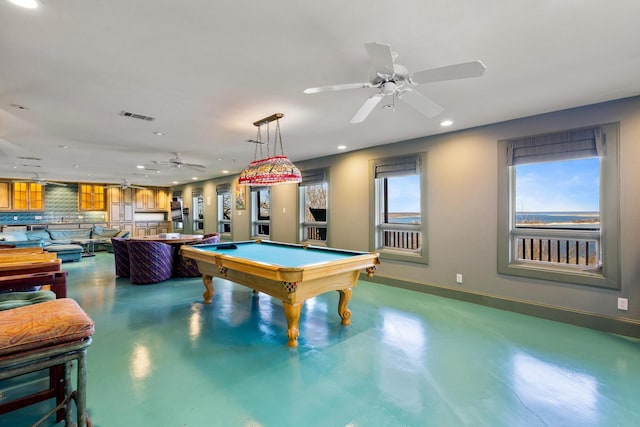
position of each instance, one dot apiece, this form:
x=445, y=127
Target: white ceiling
x=206, y=70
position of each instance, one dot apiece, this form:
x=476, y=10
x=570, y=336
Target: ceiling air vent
x=136, y=116
x=29, y=158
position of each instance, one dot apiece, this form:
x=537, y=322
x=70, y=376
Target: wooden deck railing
x=315, y=232
x=407, y=237
x=568, y=247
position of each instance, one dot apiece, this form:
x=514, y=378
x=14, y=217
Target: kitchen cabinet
x=28, y=196
x=91, y=197
x=5, y=195
x=121, y=212
x=150, y=228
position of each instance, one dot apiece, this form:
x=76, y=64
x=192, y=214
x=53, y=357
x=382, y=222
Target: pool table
x=291, y=273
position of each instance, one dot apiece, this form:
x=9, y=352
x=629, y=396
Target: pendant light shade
x=272, y=170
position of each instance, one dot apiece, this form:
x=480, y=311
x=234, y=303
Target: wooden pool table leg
x=208, y=288
x=292, y=313
x=343, y=310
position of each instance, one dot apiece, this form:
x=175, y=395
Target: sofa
x=68, y=244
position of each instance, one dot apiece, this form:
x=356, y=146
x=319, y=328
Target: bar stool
x=47, y=335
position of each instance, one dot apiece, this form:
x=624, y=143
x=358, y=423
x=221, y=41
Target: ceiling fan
x=176, y=162
x=124, y=185
x=395, y=80
x=38, y=180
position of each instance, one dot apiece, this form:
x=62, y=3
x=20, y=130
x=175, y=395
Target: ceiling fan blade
x=61, y=184
x=450, y=72
x=332, y=88
x=193, y=165
x=381, y=57
x=421, y=103
x=367, y=108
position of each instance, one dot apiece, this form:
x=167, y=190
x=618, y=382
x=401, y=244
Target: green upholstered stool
x=9, y=300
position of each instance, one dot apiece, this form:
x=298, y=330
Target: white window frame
x=256, y=222
x=224, y=225
x=312, y=231
x=606, y=274
x=378, y=227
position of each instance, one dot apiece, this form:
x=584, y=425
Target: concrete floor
x=160, y=357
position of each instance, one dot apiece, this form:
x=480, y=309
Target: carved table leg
x=343, y=311
x=208, y=288
x=292, y=313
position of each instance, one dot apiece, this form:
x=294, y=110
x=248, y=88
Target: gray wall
x=462, y=210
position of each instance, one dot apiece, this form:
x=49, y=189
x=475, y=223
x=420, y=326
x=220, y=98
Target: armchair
x=149, y=261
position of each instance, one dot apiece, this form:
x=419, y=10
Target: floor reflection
x=550, y=389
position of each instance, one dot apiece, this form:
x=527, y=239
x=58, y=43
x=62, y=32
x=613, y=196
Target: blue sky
x=571, y=185
x=404, y=193
x=566, y=186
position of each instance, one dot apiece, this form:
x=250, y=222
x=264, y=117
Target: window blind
x=223, y=188
x=397, y=166
x=313, y=177
x=574, y=144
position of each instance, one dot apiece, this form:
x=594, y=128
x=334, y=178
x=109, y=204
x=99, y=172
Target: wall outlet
x=623, y=304
x=458, y=278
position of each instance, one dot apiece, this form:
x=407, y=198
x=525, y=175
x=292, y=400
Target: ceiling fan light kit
x=395, y=80
x=271, y=170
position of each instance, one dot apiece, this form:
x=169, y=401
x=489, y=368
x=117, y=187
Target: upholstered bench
x=50, y=334
x=66, y=252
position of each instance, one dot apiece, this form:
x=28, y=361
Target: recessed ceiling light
x=195, y=178
x=158, y=133
x=342, y=147
x=27, y=4
x=76, y=166
x=225, y=171
x=140, y=167
x=446, y=123
x=175, y=182
x=64, y=147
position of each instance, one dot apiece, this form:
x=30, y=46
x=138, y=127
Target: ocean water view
x=524, y=219
x=558, y=218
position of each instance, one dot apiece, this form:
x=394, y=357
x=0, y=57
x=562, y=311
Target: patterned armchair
x=121, y=256
x=186, y=267
x=149, y=261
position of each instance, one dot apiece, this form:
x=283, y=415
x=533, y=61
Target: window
x=399, y=208
x=261, y=211
x=28, y=196
x=197, y=206
x=223, y=192
x=91, y=197
x=313, y=206
x=559, y=219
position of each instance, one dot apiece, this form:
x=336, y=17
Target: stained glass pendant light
x=272, y=170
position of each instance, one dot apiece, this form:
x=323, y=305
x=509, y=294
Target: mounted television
x=176, y=211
